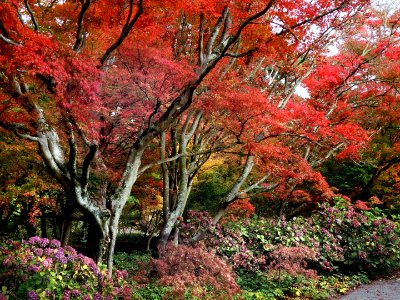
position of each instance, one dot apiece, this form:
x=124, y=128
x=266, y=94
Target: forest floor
x=381, y=289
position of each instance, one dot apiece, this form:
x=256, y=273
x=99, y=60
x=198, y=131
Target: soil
x=382, y=289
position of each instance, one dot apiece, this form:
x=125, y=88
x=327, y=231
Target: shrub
x=194, y=271
x=228, y=242
x=40, y=269
x=293, y=260
x=343, y=238
x=365, y=240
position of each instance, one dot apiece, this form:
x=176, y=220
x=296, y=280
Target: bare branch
x=194, y=126
x=82, y=135
x=230, y=41
x=48, y=81
x=15, y=127
x=201, y=40
x=282, y=104
x=9, y=41
x=257, y=184
x=215, y=32
x=175, y=157
x=248, y=52
x=80, y=34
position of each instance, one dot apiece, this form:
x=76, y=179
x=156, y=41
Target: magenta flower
x=55, y=244
x=97, y=296
x=35, y=268
x=7, y=261
x=38, y=241
x=47, y=263
x=38, y=251
x=31, y=295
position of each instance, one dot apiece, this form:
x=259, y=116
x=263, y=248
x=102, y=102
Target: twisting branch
x=80, y=34
x=215, y=32
x=35, y=23
x=224, y=46
x=282, y=104
x=15, y=128
x=86, y=165
x=8, y=41
x=82, y=135
x=175, y=157
x=237, y=55
x=130, y=22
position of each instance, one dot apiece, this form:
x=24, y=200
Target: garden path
x=383, y=289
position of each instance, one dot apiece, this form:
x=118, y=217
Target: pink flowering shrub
x=194, y=270
x=40, y=269
x=342, y=237
x=366, y=239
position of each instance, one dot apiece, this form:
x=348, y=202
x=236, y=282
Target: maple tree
x=92, y=83
x=364, y=90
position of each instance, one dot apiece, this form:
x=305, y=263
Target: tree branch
x=9, y=41
x=248, y=52
x=72, y=152
x=80, y=35
x=125, y=30
x=86, y=165
x=35, y=23
x=175, y=157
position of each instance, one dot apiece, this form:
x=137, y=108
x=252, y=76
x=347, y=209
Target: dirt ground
x=384, y=289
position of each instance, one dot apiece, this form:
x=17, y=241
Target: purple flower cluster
x=38, y=241
x=63, y=266
x=362, y=255
x=68, y=294
x=31, y=295
x=60, y=256
x=121, y=274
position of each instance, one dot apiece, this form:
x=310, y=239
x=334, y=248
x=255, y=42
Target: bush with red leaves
x=195, y=270
x=293, y=260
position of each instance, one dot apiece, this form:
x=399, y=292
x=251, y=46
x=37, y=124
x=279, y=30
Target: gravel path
x=385, y=289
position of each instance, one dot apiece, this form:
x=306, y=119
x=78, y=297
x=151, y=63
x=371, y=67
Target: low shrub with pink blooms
x=343, y=238
x=40, y=269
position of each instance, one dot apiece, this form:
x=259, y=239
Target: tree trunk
x=96, y=242
x=65, y=232
x=43, y=225
x=113, y=239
